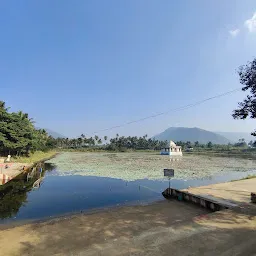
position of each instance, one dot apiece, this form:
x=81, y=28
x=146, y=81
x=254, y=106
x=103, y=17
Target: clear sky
x=82, y=66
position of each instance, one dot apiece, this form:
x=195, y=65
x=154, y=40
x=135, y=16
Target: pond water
x=64, y=194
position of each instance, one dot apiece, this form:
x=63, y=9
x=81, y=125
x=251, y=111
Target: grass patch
x=246, y=178
x=35, y=157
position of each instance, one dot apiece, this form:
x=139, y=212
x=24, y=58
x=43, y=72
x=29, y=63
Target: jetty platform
x=230, y=195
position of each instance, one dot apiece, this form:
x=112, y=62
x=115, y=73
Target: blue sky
x=82, y=66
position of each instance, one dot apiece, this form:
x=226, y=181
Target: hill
x=54, y=134
x=191, y=134
x=235, y=136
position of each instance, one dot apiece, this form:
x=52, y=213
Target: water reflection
x=60, y=195
x=175, y=159
x=13, y=194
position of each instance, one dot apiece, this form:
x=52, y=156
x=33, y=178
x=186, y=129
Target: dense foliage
x=118, y=143
x=247, y=108
x=18, y=135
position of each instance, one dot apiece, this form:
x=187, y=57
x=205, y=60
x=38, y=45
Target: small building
x=172, y=150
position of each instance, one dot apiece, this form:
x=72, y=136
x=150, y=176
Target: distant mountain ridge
x=54, y=134
x=235, y=136
x=192, y=135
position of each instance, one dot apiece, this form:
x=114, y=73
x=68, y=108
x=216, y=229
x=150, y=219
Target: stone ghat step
x=206, y=201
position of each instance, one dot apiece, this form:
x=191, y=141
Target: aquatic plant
x=135, y=166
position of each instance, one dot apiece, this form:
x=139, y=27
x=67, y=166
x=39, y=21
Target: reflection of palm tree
x=14, y=194
x=11, y=203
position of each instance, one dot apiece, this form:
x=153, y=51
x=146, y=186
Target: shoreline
x=71, y=215
x=16, y=170
x=11, y=221
x=32, y=164
x=211, y=189
x=153, y=229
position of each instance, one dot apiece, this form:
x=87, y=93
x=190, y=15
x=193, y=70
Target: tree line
x=122, y=143
x=241, y=143
x=197, y=144
x=119, y=143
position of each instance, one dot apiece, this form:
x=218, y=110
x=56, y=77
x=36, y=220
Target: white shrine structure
x=172, y=150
